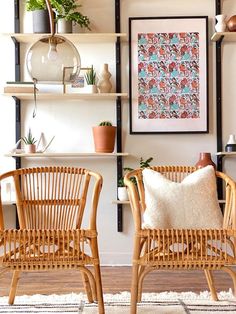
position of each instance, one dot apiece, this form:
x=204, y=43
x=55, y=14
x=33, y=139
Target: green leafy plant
x=105, y=123
x=90, y=76
x=67, y=9
x=32, y=5
x=29, y=139
x=142, y=164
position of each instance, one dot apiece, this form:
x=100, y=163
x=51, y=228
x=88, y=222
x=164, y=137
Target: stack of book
x=19, y=87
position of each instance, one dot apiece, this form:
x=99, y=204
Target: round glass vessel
x=53, y=58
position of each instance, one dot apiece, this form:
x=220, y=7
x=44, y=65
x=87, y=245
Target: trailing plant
x=67, y=9
x=29, y=139
x=90, y=76
x=32, y=5
x=105, y=123
x=142, y=164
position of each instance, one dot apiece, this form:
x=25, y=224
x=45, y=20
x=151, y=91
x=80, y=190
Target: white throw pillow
x=190, y=204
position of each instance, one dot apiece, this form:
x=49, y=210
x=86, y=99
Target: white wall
x=71, y=122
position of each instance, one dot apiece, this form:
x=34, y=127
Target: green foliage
x=29, y=139
x=64, y=9
x=32, y=5
x=90, y=76
x=105, y=123
x=142, y=163
x=67, y=9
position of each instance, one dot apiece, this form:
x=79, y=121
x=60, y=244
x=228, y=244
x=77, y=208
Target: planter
x=91, y=89
x=30, y=148
x=64, y=26
x=104, y=138
x=41, y=23
x=122, y=194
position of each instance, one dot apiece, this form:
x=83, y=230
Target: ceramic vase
x=231, y=144
x=104, y=84
x=122, y=194
x=205, y=160
x=231, y=24
x=220, y=25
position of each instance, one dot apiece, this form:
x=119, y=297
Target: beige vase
x=104, y=84
x=104, y=138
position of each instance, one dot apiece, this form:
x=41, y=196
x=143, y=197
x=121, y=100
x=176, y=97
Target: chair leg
x=134, y=289
x=14, y=282
x=87, y=287
x=98, y=280
x=233, y=276
x=211, y=284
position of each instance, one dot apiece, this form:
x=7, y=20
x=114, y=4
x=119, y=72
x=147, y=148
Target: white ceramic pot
x=123, y=194
x=220, y=25
x=91, y=89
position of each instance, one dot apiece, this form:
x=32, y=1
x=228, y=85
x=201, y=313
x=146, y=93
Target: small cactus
x=105, y=123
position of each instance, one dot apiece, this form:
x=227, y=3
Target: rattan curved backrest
x=177, y=174
x=53, y=197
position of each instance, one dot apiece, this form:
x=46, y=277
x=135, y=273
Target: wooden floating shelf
x=226, y=154
x=121, y=202
x=228, y=36
x=67, y=155
x=88, y=38
x=68, y=96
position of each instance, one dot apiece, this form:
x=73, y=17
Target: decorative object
x=205, y=160
x=231, y=144
x=47, y=58
x=104, y=137
x=164, y=302
x=41, y=22
x=64, y=26
x=104, y=84
x=122, y=194
x=221, y=24
x=67, y=10
x=90, y=77
x=168, y=209
x=29, y=141
x=168, y=74
x=231, y=24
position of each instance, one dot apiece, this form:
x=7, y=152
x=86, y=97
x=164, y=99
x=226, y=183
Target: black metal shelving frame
x=118, y=100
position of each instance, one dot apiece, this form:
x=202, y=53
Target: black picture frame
x=168, y=75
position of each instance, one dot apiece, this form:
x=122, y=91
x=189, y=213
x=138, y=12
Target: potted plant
x=66, y=14
x=90, y=78
x=122, y=193
x=29, y=141
x=104, y=137
x=41, y=23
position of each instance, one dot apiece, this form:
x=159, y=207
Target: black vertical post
x=219, y=102
x=118, y=111
x=17, y=78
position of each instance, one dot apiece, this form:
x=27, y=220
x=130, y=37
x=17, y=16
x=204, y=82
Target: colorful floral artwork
x=168, y=75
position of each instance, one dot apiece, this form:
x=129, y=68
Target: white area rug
x=161, y=303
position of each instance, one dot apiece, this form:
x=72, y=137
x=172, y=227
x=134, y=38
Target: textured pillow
x=190, y=204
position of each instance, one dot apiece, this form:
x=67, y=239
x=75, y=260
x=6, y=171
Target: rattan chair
x=153, y=249
x=51, y=204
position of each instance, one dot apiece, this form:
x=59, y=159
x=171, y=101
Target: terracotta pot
x=231, y=24
x=104, y=138
x=205, y=160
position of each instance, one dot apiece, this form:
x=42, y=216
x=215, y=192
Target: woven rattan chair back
x=180, y=249
x=51, y=204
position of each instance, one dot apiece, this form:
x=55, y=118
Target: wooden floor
x=115, y=279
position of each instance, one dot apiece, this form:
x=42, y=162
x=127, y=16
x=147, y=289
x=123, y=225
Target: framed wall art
x=168, y=74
